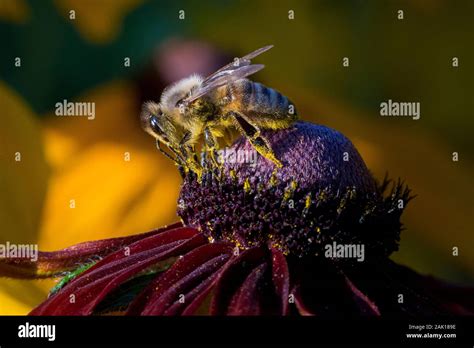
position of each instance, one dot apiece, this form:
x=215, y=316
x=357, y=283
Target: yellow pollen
x=294, y=185
x=247, y=185
x=289, y=191
x=307, y=203
x=273, y=179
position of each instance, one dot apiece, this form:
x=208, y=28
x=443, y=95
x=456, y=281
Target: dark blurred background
x=85, y=59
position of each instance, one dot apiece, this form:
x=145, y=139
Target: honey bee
x=197, y=108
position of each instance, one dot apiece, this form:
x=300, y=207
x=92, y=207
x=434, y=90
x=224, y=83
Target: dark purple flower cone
x=314, y=156
x=324, y=193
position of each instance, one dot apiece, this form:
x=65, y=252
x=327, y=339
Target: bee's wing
x=238, y=69
x=224, y=78
x=237, y=63
x=258, y=52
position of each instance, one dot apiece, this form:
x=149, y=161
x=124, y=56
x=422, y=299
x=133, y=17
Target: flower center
x=323, y=194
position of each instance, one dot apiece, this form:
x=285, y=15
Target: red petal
x=50, y=264
x=323, y=290
x=246, y=301
x=90, y=287
x=423, y=295
x=191, y=274
x=242, y=287
x=453, y=298
x=366, y=306
x=281, y=279
x=299, y=302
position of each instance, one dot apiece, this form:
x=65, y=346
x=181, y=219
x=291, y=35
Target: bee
x=197, y=108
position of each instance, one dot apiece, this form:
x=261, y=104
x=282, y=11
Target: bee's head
x=155, y=122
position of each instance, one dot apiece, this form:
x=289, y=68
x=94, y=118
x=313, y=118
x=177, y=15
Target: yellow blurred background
x=121, y=185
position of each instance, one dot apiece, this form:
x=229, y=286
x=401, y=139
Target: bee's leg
x=211, y=147
x=178, y=160
x=190, y=156
x=174, y=159
x=252, y=133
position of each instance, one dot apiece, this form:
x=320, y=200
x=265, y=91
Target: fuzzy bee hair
x=177, y=91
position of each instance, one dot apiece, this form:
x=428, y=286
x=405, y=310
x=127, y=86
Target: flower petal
x=183, y=282
x=247, y=300
x=281, y=278
x=455, y=299
x=85, y=292
x=299, y=302
x=422, y=295
x=90, y=22
x=323, y=290
x=245, y=286
x=366, y=306
x=232, y=277
x=82, y=154
x=50, y=264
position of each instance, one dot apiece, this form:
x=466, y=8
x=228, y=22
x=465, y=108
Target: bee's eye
x=179, y=103
x=155, y=125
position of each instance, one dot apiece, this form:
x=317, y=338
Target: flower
x=254, y=241
x=323, y=193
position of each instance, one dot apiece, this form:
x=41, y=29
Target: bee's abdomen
x=262, y=100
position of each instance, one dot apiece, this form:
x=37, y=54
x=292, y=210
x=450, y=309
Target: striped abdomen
x=264, y=104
